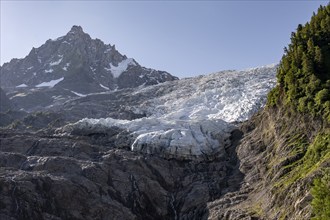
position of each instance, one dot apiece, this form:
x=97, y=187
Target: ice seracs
x=227, y=95
x=181, y=139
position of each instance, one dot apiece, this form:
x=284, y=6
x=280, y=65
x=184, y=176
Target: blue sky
x=185, y=38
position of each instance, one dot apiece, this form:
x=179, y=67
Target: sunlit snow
x=51, y=83
x=104, y=87
x=21, y=86
x=66, y=66
x=49, y=71
x=78, y=94
x=54, y=63
x=122, y=66
x=107, y=50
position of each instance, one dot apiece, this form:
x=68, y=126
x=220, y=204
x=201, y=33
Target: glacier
x=191, y=118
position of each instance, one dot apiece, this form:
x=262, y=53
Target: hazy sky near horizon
x=185, y=38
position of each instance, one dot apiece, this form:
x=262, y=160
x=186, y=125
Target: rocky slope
x=150, y=163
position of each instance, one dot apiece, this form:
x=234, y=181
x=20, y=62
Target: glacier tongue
x=185, y=139
x=190, y=118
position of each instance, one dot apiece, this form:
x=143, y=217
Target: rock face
x=84, y=177
x=5, y=103
x=77, y=63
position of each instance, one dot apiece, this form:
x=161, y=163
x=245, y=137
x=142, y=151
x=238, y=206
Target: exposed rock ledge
x=84, y=177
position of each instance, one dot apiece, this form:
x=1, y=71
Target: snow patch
x=78, y=94
x=107, y=50
x=66, y=66
x=104, y=87
x=54, y=63
x=49, y=71
x=19, y=95
x=50, y=84
x=93, y=69
x=59, y=38
x=30, y=68
x=21, y=86
x=58, y=97
x=122, y=66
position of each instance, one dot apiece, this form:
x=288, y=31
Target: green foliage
x=321, y=197
x=304, y=71
x=317, y=154
x=319, y=150
x=273, y=96
x=303, y=152
x=322, y=96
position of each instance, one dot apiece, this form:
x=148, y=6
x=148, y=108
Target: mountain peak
x=76, y=29
x=83, y=64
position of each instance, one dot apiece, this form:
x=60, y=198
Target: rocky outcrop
x=275, y=158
